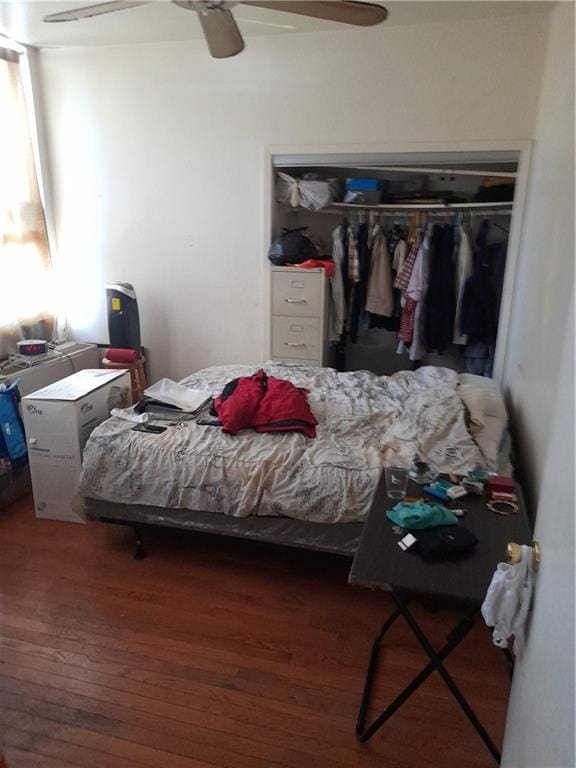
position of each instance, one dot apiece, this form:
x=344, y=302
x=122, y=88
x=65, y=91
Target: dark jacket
x=440, y=296
x=482, y=292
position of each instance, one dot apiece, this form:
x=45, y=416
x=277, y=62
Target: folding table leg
x=372, y=665
x=436, y=658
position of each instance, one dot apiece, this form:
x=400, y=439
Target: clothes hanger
x=499, y=226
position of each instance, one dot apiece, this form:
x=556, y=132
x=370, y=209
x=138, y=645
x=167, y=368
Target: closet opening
x=419, y=244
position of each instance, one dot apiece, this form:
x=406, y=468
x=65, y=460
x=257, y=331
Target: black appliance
x=123, y=318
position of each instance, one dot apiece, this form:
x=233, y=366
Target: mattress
x=365, y=421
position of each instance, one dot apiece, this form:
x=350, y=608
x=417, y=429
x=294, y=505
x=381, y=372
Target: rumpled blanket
x=365, y=421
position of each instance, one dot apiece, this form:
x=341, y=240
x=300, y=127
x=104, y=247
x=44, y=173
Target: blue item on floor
x=12, y=437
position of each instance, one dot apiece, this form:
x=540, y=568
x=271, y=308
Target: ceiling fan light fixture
x=219, y=27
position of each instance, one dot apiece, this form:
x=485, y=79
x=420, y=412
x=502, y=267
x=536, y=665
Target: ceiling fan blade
x=220, y=29
x=345, y=11
x=92, y=10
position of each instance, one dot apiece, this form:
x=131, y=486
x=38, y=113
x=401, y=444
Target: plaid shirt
x=404, y=274
x=407, y=321
x=353, y=259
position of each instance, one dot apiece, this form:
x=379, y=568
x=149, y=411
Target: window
x=27, y=305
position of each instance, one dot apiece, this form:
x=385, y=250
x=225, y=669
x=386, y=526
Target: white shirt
x=338, y=313
x=507, y=601
x=464, y=266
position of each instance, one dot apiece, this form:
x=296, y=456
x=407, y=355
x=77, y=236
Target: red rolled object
x=122, y=355
x=500, y=484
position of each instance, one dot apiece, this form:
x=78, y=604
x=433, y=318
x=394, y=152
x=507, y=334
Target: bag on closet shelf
x=313, y=194
x=292, y=247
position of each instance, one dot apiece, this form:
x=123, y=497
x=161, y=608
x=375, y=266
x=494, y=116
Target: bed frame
x=334, y=538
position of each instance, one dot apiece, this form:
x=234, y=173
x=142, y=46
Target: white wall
x=540, y=380
x=546, y=275
x=156, y=154
x=541, y=717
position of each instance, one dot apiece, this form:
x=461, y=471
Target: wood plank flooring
x=213, y=653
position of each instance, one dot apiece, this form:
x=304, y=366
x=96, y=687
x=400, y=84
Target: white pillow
x=483, y=399
x=488, y=417
x=489, y=439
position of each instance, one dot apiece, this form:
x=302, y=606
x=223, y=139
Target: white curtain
x=27, y=291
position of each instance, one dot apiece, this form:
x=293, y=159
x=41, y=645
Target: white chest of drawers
x=299, y=315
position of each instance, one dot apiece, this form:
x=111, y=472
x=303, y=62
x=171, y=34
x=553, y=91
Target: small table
x=380, y=562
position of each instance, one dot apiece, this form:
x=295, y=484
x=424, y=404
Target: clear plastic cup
x=396, y=482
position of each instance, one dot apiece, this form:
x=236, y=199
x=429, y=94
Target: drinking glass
x=396, y=482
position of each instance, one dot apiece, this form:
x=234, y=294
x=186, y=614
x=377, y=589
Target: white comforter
x=365, y=422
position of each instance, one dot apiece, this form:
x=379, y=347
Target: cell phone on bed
x=150, y=428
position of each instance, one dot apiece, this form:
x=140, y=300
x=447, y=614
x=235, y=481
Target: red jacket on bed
x=266, y=404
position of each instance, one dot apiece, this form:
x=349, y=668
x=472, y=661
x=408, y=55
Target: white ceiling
x=162, y=21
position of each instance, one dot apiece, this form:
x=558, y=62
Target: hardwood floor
x=212, y=653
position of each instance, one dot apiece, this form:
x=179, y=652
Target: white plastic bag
x=305, y=193
x=172, y=393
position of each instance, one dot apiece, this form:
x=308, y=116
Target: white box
x=58, y=420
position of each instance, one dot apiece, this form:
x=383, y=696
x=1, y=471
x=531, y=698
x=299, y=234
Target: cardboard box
x=58, y=420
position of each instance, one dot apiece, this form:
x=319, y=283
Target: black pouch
x=444, y=542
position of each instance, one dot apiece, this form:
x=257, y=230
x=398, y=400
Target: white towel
x=129, y=414
x=507, y=601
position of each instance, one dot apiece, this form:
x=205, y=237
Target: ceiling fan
x=218, y=24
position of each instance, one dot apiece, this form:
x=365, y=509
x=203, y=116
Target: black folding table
x=380, y=562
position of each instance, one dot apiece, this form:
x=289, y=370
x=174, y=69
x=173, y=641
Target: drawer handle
x=296, y=301
x=294, y=344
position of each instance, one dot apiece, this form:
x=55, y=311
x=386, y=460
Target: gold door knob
x=514, y=554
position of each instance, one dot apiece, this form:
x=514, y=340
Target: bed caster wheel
x=139, y=551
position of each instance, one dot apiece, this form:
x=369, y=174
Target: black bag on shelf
x=292, y=247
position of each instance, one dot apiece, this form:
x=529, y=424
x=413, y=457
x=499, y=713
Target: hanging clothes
x=352, y=273
x=353, y=259
x=409, y=304
x=338, y=313
x=358, y=267
x=405, y=272
x=464, y=265
x=417, y=290
x=364, y=258
x=406, y=331
x=396, y=234
x=361, y=257
x=482, y=292
x=379, y=300
x=345, y=282
x=400, y=253
x=479, y=358
x=419, y=284
x=440, y=300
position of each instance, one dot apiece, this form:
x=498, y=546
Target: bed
x=287, y=488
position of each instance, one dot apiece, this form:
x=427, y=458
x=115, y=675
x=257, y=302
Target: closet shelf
x=337, y=207
x=422, y=171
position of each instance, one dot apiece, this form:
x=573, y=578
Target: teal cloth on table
x=414, y=515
